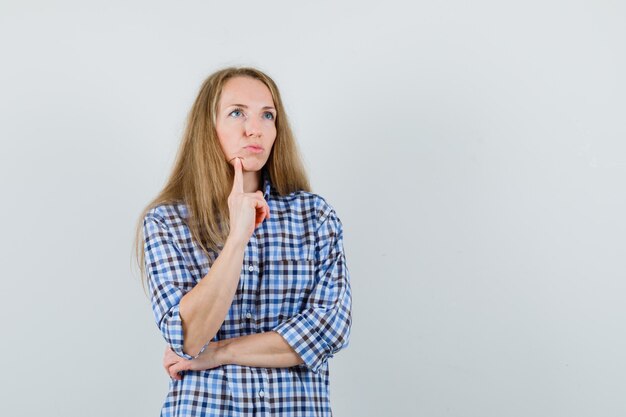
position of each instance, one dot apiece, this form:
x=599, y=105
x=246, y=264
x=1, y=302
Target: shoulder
x=313, y=205
x=167, y=215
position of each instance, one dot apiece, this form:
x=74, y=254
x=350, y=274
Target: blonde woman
x=245, y=265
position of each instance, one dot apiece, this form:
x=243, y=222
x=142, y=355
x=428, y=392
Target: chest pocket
x=286, y=286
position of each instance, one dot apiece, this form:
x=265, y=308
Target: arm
x=188, y=314
x=204, y=308
x=267, y=350
x=322, y=328
x=263, y=350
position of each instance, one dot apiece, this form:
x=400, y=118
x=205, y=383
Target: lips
x=254, y=148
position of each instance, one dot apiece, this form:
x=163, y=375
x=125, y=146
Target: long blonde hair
x=202, y=178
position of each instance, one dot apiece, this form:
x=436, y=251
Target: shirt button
x=261, y=394
x=248, y=315
x=250, y=268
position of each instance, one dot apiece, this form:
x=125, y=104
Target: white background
x=474, y=150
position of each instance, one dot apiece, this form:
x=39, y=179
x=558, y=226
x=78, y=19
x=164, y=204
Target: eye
x=269, y=113
x=237, y=110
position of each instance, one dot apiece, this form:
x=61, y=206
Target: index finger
x=238, y=179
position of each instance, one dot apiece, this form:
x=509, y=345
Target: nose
x=252, y=127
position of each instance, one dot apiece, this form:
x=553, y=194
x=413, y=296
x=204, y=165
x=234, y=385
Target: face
x=245, y=122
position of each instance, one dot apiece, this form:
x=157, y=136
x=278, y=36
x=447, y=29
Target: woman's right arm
x=204, y=308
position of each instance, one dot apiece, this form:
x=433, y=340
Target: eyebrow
x=244, y=106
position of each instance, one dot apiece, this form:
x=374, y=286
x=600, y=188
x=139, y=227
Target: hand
x=174, y=364
x=247, y=210
x=170, y=359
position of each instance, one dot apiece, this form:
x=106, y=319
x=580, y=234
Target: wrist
x=235, y=244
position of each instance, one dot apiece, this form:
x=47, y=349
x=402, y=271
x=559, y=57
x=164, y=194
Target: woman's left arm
x=266, y=350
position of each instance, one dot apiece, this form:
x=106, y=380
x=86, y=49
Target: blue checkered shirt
x=294, y=281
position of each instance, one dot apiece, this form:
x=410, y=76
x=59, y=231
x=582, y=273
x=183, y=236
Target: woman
x=245, y=265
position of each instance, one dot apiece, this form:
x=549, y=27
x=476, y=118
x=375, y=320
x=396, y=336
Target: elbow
x=173, y=332
x=195, y=349
x=194, y=338
x=342, y=339
x=192, y=343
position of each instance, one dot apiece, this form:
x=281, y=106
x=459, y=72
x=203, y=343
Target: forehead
x=246, y=90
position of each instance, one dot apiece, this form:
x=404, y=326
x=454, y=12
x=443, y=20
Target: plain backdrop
x=475, y=152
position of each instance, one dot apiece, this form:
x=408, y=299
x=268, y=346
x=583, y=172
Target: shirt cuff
x=172, y=330
x=300, y=334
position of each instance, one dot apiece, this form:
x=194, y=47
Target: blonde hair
x=200, y=157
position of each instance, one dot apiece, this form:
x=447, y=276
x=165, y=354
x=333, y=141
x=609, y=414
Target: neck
x=251, y=181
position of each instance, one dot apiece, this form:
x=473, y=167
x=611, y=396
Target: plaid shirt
x=294, y=280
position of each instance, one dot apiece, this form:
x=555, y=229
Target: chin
x=252, y=165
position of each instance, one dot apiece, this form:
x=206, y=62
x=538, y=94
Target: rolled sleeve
x=323, y=327
x=168, y=280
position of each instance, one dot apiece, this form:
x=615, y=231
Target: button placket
x=252, y=278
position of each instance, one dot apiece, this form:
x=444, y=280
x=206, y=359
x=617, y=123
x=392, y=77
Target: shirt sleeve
x=169, y=279
x=323, y=327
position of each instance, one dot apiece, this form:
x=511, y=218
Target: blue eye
x=236, y=110
x=271, y=114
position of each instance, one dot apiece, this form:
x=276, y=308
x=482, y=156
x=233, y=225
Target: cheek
x=271, y=146
x=270, y=132
x=227, y=151
x=223, y=136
